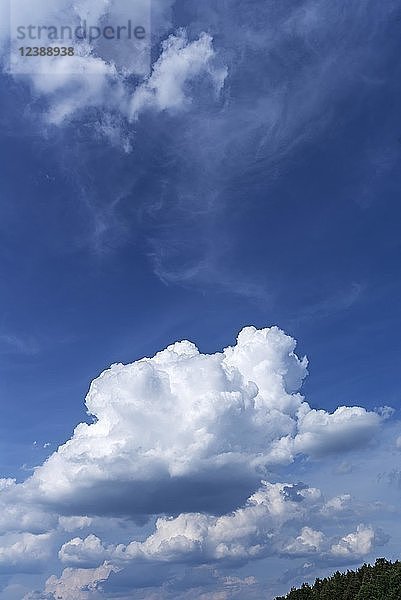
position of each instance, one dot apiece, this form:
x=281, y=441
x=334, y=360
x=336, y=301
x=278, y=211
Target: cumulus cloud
x=321, y=433
x=94, y=584
x=309, y=541
x=186, y=438
x=85, y=552
x=355, y=544
x=185, y=431
x=74, y=584
x=337, y=504
x=18, y=514
x=195, y=537
x=24, y=552
x=260, y=529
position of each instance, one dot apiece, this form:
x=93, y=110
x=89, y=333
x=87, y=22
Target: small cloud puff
x=358, y=543
x=74, y=523
x=309, y=541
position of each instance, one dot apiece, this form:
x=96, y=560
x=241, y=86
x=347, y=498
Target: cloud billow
x=184, y=431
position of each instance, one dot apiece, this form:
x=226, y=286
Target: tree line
x=381, y=581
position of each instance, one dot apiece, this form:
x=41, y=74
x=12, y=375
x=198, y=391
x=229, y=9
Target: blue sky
x=254, y=180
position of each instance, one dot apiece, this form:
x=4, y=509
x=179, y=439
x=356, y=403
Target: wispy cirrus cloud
x=15, y=344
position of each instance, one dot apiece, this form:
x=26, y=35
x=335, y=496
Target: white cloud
x=337, y=504
x=307, y=542
x=99, y=75
x=180, y=62
x=75, y=584
x=168, y=426
x=247, y=533
x=74, y=523
x=259, y=529
x=321, y=432
x=18, y=514
x=356, y=544
x=95, y=83
x=89, y=551
x=201, y=582
x=7, y=484
x=24, y=552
